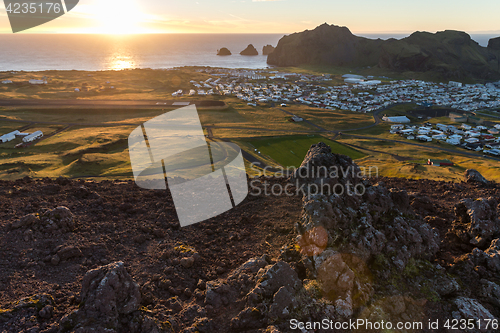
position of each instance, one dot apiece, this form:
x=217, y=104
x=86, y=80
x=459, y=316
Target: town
x=358, y=93
x=479, y=138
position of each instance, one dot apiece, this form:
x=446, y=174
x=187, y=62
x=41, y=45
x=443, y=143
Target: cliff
x=452, y=54
x=267, y=50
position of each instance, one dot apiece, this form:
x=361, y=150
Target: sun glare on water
x=119, y=17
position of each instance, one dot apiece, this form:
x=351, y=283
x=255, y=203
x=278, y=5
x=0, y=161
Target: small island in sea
x=223, y=52
x=250, y=51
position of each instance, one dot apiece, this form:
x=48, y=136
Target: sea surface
x=35, y=52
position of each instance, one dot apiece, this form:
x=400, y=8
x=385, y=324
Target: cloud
x=265, y=0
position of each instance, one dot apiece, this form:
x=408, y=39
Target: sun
x=119, y=17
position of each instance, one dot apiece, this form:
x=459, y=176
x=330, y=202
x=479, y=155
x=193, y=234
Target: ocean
x=32, y=52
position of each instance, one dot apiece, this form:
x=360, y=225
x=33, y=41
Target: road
x=448, y=150
x=487, y=115
x=305, y=120
x=44, y=103
x=247, y=155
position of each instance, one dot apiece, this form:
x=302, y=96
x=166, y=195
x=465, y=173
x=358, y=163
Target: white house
x=453, y=141
x=9, y=136
x=424, y=138
x=6, y=81
x=401, y=119
x=33, y=136
x=472, y=140
x=353, y=76
x=353, y=80
x=442, y=127
x=37, y=82
x=473, y=134
x=397, y=127
x=439, y=137
x=455, y=84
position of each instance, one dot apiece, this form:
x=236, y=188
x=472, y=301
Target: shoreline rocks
x=267, y=50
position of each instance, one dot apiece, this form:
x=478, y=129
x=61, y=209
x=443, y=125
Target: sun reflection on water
x=120, y=62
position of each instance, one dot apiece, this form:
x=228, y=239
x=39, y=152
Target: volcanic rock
x=267, y=50
x=347, y=222
x=473, y=176
x=110, y=300
x=450, y=54
x=471, y=309
x=477, y=221
x=494, y=43
x=250, y=51
x=223, y=52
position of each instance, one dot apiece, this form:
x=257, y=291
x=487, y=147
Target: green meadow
x=92, y=142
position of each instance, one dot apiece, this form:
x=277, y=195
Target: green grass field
x=332, y=119
x=95, y=144
x=400, y=160
x=289, y=151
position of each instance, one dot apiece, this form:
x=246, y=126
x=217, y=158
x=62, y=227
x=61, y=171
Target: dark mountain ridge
x=452, y=54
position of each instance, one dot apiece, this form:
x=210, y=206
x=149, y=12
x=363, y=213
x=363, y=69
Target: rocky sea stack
x=448, y=54
x=250, y=51
x=267, y=50
x=223, y=52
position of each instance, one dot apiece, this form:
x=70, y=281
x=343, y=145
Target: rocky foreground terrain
x=83, y=256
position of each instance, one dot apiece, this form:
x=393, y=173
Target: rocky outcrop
x=267, y=50
x=25, y=310
x=110, y=303
x=494, y=44
x=470, y=309
x=488, y=259
x=250, y=51
x=473, y=176
x=58, y=220
x=223, y=52
x=450, y=54
x=477, y=221
x=347, y=222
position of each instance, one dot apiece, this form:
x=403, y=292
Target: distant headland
x=449, y=54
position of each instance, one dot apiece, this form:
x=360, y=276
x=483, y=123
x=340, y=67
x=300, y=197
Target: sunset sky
x=261, y=16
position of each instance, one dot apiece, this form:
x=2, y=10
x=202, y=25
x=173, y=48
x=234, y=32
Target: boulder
x=110, y=303
x=490, y=292
x=28, y=307
x=473, y=176
x=59, y=219
x=223, y=52
x=250, y=51
x=477, y=221
x=267, y=50
x=471, y=309
x=25, y=221
x=489, y=259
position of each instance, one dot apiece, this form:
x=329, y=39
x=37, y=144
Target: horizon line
x=240, y=33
